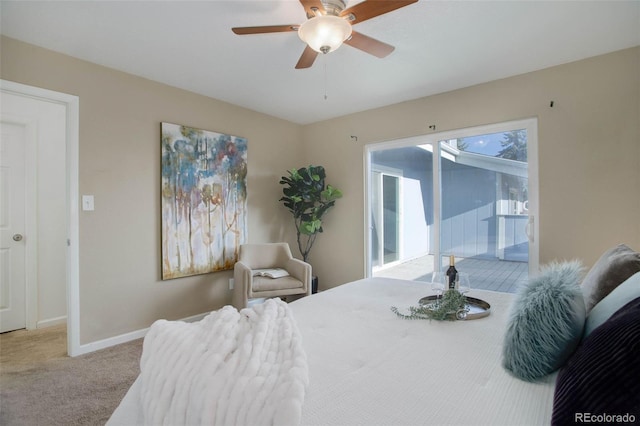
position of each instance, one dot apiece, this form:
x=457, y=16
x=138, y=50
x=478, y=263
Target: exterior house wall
x=468, y=211
x=469, y=225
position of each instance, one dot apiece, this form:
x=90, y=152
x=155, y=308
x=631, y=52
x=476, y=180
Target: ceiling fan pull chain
x=324, y=63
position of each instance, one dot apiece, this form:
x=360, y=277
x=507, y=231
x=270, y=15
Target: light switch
x=87, y=203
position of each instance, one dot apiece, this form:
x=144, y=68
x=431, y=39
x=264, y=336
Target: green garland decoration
x=450, y=304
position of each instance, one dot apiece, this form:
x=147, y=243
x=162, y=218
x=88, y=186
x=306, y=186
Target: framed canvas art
x=204, y=200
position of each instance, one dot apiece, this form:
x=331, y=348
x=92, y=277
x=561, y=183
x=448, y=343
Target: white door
x=12, y=226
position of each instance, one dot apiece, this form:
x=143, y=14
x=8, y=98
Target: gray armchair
x=268, y=255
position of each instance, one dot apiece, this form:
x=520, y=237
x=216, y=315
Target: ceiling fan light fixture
x=324, y=33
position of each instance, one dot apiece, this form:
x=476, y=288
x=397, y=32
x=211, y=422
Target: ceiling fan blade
x=309, y=5
x=265, y=29
x=308, y=57
x=369, y=45
x=371, y=8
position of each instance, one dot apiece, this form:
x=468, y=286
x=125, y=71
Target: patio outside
x=495, y=275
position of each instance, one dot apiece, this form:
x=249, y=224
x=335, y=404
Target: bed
x=367, y=366
x=563, y=350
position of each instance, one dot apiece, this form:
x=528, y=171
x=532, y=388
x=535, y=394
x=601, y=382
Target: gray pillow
x=614, y=267
x=545, y=322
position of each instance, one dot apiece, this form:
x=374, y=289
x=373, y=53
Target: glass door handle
x=528, y=229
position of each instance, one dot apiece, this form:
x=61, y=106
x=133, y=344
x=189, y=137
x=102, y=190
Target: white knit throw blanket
x=230, y=368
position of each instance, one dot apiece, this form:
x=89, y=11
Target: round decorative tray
x=474, y=309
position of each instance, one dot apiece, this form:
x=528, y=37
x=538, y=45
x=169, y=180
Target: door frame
x=396, y=174
x=72, y=117
x=433, y=139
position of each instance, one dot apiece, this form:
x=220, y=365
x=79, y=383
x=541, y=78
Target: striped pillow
x=602, y=378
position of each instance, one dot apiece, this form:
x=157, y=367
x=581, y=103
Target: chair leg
x=293, y=297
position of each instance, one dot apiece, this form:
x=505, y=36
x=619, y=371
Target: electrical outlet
x=231, y=282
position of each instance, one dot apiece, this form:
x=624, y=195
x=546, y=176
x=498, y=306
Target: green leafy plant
x=452, y=302
x=308, y=199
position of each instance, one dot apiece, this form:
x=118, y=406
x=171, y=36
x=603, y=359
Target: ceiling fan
x=328, y=25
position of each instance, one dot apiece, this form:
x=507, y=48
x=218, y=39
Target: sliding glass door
x=470, y=193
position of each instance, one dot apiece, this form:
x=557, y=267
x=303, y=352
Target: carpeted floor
x=41, y=385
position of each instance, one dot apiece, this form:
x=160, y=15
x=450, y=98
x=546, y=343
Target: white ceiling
x=440, y=46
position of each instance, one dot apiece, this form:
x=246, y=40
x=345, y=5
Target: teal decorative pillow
x=604, y=309
x=545, y=322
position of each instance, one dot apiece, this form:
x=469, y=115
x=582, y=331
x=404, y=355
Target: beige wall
x=589, y=156
x=120, y=114
x=589, y=150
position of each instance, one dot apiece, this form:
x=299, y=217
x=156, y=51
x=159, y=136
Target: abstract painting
x=204, y=200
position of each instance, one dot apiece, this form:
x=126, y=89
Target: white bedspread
x=230, y=368
x=369, y=367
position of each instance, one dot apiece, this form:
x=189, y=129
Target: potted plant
x=308, y=199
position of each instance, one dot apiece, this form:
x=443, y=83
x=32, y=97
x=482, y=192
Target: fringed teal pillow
x=545, y=322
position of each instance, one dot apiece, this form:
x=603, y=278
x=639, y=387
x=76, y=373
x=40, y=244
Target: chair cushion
x=614, y=267
x=271, y=284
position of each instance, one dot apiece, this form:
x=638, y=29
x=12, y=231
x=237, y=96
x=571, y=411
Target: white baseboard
x=51, y=322
x=124, y=338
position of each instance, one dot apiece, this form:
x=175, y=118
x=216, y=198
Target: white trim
x=51, y=322
x=72, y=105
x=127, y=337
x=366, y=171
x=31, y=225
x=534, y=196
x=437, y=205
x=73, y=239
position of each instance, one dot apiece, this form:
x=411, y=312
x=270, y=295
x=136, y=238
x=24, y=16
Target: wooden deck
x=496, y=275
